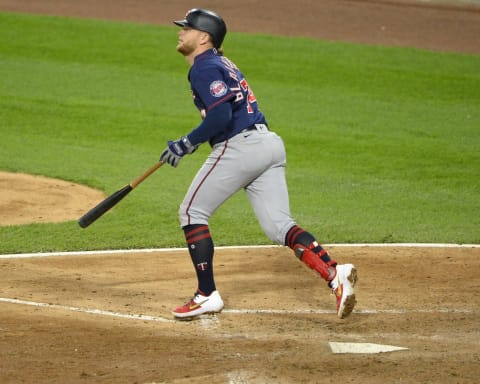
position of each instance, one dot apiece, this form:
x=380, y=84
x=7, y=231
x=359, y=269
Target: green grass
x=383, y=143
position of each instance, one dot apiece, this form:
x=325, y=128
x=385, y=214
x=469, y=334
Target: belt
x=256, y=127
x=262, y=128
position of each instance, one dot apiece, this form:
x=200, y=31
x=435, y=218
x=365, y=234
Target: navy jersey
x=214, y=79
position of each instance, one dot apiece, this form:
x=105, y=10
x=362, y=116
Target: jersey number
x=241, y=91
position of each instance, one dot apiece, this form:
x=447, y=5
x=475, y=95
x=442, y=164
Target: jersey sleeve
x=210, y=86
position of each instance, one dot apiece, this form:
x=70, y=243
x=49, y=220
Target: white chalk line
x=160, y=319
x=152, y=250
x=118, y=251
x=92, y=311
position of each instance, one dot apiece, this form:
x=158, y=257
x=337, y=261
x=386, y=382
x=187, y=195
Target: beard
x=185, y=49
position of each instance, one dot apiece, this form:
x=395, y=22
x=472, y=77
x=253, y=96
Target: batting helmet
x=206, y=21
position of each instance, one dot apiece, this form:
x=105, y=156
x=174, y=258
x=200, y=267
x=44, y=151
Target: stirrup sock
x=297, y=236
x=200, y=247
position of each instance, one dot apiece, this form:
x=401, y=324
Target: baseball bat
x=97, y=211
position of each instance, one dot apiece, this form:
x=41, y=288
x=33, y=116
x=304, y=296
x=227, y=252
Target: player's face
x=191, y=41
x=188, y=40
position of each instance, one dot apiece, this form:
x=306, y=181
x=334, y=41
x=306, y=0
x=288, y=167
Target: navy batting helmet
x=206, y=21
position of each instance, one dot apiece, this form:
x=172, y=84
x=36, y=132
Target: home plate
x=363, y=348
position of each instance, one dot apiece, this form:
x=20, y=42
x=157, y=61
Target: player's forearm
x=215, y=122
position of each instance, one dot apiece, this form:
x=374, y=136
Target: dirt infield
x=276, y=326
x=104, y=318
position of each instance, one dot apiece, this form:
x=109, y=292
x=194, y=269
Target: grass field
x=383, y=143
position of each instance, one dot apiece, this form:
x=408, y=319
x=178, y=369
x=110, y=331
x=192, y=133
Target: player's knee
x=191, y=215
x=277, y=233
x=273, y=237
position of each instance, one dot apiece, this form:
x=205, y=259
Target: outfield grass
x=383, y=143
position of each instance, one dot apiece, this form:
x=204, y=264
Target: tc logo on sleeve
x=218, y=88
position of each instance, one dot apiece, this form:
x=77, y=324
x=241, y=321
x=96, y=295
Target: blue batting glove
x=176, y=150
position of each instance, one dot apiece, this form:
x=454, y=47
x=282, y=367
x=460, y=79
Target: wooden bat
x=97, y=211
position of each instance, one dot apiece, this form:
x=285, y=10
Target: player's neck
x=200, y=49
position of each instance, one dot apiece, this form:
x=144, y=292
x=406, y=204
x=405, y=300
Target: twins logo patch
x=218, y=88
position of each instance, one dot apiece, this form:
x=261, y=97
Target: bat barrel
x=103, y=206
x=114, y=198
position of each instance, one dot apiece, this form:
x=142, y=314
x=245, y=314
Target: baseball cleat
x=343, y=286
x=199, y=305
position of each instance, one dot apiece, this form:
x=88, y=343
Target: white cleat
x=343, y=286
x=199, y=305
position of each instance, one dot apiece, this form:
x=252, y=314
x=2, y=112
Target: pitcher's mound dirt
x=28, y=199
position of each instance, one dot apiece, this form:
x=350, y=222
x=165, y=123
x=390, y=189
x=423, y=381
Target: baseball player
x=246, y=155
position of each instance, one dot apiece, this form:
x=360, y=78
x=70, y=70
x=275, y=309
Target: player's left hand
x=175, y=150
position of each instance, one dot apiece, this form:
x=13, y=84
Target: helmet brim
x=181, y=23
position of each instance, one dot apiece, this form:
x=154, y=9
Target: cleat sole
x=350, y=301
x=195, y=317
x=353, y=278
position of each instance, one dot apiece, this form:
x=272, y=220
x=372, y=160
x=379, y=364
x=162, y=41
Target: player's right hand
x=175, y=150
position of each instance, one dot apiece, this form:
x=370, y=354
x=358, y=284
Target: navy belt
x=256, y=127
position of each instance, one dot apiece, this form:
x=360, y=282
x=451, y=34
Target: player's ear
x=206, y=38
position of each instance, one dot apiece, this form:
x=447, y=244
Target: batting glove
x=176, y=150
